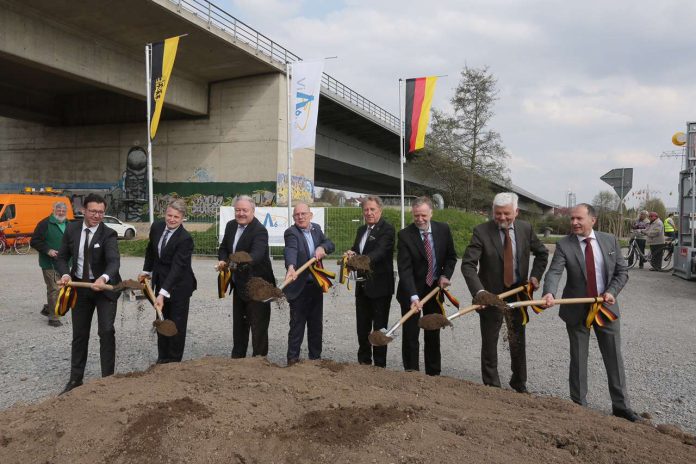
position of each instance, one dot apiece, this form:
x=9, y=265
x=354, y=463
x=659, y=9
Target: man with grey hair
x=168, y=262
x=246, y=233
x=638, y=229
x=46, y=239
x=496, y=260
x=426, y=259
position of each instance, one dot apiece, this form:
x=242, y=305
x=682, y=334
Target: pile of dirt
x=239, y=258
x=489, y=299
x=216, y=410
x=360, y=263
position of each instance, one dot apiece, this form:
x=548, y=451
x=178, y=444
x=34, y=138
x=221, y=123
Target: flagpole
x=401, y=155
x=289, y=129
x=148, y=72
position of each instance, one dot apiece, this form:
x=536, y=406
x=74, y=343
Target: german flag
x=161, y=63
x=419, y=96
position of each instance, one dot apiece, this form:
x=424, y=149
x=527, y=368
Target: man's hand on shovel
x=549, y=301
x=99, y=284
x=291, y=275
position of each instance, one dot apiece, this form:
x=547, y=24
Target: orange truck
x=20, y=213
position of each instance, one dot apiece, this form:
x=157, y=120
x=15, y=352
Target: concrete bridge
x=72, y=107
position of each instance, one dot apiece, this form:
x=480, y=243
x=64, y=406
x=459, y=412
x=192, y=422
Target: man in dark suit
x=500, y=249
x=304, y=240
x=168, y=262
x=425, y=259
x=373, y=296
x=95, y=258
x=246, y=233
x=594, y=267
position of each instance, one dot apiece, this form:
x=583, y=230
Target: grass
x=340, y=227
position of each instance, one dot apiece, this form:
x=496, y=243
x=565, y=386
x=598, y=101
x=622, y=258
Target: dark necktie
x=590, y=268
x=508, y=265
x=164, y=240
x=85, y=256
x=429, y=279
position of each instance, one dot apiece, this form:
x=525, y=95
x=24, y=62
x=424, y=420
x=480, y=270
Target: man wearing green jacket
x=46, y=239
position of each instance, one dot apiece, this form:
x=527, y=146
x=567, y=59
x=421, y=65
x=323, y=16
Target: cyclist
x=656, y=239
x=638, y=230
x=670, y=228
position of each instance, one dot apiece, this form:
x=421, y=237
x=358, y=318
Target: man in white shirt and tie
x=594, y=267
x=246, y=233
x=93, y=249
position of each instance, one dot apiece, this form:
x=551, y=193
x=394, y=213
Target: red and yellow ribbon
x=597, y=314
x=224, y=282
x=322, y=276
x=441, y=300
x=67, y=297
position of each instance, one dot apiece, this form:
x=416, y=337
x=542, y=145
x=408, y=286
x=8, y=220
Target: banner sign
x=275, y=220
x=305, y=87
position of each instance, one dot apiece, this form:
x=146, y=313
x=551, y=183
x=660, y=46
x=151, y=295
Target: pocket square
x=371, y=238
x=96, y=245
x=611, y=253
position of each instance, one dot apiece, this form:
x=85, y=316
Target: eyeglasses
x=95, y=212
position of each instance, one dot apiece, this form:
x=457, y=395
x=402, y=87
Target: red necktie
x=429, y=255
x=590, y=268
x=508, y=272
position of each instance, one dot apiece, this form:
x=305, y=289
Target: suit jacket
x=380, y=248
x=569, y=256
x=486, y=252
x=172, y=270
x=104, y=254
x=297, y=253
x=254, y=240
x=413, y=263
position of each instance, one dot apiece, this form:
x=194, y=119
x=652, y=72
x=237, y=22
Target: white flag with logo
x=305, y=85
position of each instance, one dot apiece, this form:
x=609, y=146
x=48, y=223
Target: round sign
x=679, y=139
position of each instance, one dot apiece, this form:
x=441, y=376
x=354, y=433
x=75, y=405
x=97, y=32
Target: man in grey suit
x=594, y=267
x=500, y=249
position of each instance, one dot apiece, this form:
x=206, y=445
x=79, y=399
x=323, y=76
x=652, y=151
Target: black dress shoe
x=521, y=389
x=54, y=323
x=44, y=310
x=627, y=414
x=70, y=386
x=292, y=362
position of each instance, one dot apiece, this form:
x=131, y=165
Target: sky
x=583, y=87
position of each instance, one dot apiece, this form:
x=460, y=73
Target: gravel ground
x=657, y=321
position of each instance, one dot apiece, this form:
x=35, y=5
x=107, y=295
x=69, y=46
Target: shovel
x=438, y=321
x=560, y=301
x=382, y=337
x=163, y=326
x=287, y=281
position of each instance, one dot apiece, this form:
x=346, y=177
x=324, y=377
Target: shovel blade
x=433, y=322
x=165, y=327
x=379, y=338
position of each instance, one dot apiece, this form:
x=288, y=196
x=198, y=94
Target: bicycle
x=21, y=244
x=632, y=255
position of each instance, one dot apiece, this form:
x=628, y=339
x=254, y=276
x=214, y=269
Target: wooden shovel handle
x=413, y=311
x=298, y=271
x=471, y=308
x=561, y=301
x=88, y=285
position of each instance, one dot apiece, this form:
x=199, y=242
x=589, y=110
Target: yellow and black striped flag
x=161, y=62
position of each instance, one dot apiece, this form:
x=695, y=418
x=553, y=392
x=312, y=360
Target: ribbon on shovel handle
x=67, y=297
x=527, y=295
x=344, y=272
x=224, y=282
x=322, y=276
x=440, y=298
x=598, y=312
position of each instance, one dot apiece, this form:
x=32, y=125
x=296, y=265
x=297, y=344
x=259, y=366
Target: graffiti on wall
x=197, y=206
x=302, y=189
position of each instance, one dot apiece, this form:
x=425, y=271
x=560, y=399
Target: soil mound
x=216, y=410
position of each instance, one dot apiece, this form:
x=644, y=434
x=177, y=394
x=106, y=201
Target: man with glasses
x=46, y=239
x=93, y=249
x=303, y=241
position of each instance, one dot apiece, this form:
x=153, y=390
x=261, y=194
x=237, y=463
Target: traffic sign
x=621, y=179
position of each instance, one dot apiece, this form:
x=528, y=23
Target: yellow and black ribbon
x=527, y=295
x=67, y=297
x=322, y=276
x=344, y=272
x=599, y=314
x=224, y=282
x=440, y=298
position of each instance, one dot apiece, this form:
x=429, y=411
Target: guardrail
x=240, y=31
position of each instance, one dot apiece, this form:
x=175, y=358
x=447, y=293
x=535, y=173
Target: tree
x=606, y=203
x=464, y=139
x=655, y=204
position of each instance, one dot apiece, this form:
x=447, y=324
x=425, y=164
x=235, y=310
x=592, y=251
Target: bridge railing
x=240, y=31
